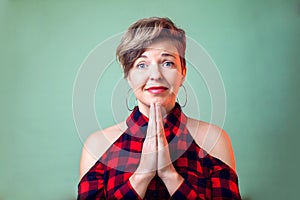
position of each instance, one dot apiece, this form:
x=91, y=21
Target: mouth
x=157, y=89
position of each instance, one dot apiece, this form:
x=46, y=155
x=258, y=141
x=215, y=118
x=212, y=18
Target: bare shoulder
x=213, y=139
x=97, y=143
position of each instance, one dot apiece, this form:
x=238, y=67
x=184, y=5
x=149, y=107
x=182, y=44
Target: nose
x=155, y=72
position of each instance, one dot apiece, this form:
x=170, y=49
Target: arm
x=220, y=146
x=216, y=142
x=97, y=144
x=213, y=139
x=225, y=185
x=224, y=180
x=91, y=185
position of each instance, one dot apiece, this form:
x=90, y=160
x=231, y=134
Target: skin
x=155, y=157
x=158, y=66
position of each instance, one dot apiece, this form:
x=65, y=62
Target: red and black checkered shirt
x=205, y=177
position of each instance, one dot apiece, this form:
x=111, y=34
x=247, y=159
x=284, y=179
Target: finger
x=163, y=157
x=151, y=131
x=160, y=127
x=148, y=162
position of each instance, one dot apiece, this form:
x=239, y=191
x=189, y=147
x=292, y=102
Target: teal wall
x=255, y=45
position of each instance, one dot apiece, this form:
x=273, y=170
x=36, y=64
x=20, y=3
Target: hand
x=165, y=168
x=155, y=157
x=164, y=163
x=148, y=161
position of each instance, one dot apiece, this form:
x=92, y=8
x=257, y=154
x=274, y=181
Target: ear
x=129, y=80
x=183, y=76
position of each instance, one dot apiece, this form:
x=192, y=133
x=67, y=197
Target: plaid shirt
x=205, y=177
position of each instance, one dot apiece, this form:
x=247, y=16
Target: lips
x=157, y=89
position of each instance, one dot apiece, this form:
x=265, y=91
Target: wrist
x=140, y=183
x=172, y=181
x=141, y=178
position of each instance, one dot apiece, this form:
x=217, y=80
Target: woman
x=158, y=152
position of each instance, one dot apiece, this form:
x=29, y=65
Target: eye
x=168, y=64
x=141, y=65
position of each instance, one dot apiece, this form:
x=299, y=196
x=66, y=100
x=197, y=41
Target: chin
x=166, y=103
x=160, y=100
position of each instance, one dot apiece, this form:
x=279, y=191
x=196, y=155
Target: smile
x=157, y=89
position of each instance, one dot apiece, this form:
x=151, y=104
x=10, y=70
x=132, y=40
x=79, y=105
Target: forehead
x=161, y=47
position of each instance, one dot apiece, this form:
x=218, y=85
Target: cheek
x=175, y=80
x=136, y=82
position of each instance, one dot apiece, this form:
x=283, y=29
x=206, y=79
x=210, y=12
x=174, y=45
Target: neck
x=145, y=109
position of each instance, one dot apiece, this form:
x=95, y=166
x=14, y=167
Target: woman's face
x=157, y=74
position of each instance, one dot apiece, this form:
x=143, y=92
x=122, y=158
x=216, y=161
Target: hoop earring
x=186, y=98
x=127, y=106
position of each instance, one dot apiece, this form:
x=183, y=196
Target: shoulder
x=213, y=139
x=97, y=143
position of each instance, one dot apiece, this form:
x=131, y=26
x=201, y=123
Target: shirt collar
x=174, y=123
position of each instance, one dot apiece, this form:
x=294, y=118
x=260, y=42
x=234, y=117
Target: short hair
x=143, y=33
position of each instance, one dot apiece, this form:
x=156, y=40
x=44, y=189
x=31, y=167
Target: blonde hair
x=143, y=33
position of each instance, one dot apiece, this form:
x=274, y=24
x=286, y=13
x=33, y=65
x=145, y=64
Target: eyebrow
x=165, y=54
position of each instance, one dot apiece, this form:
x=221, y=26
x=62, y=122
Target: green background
x=255, y=45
